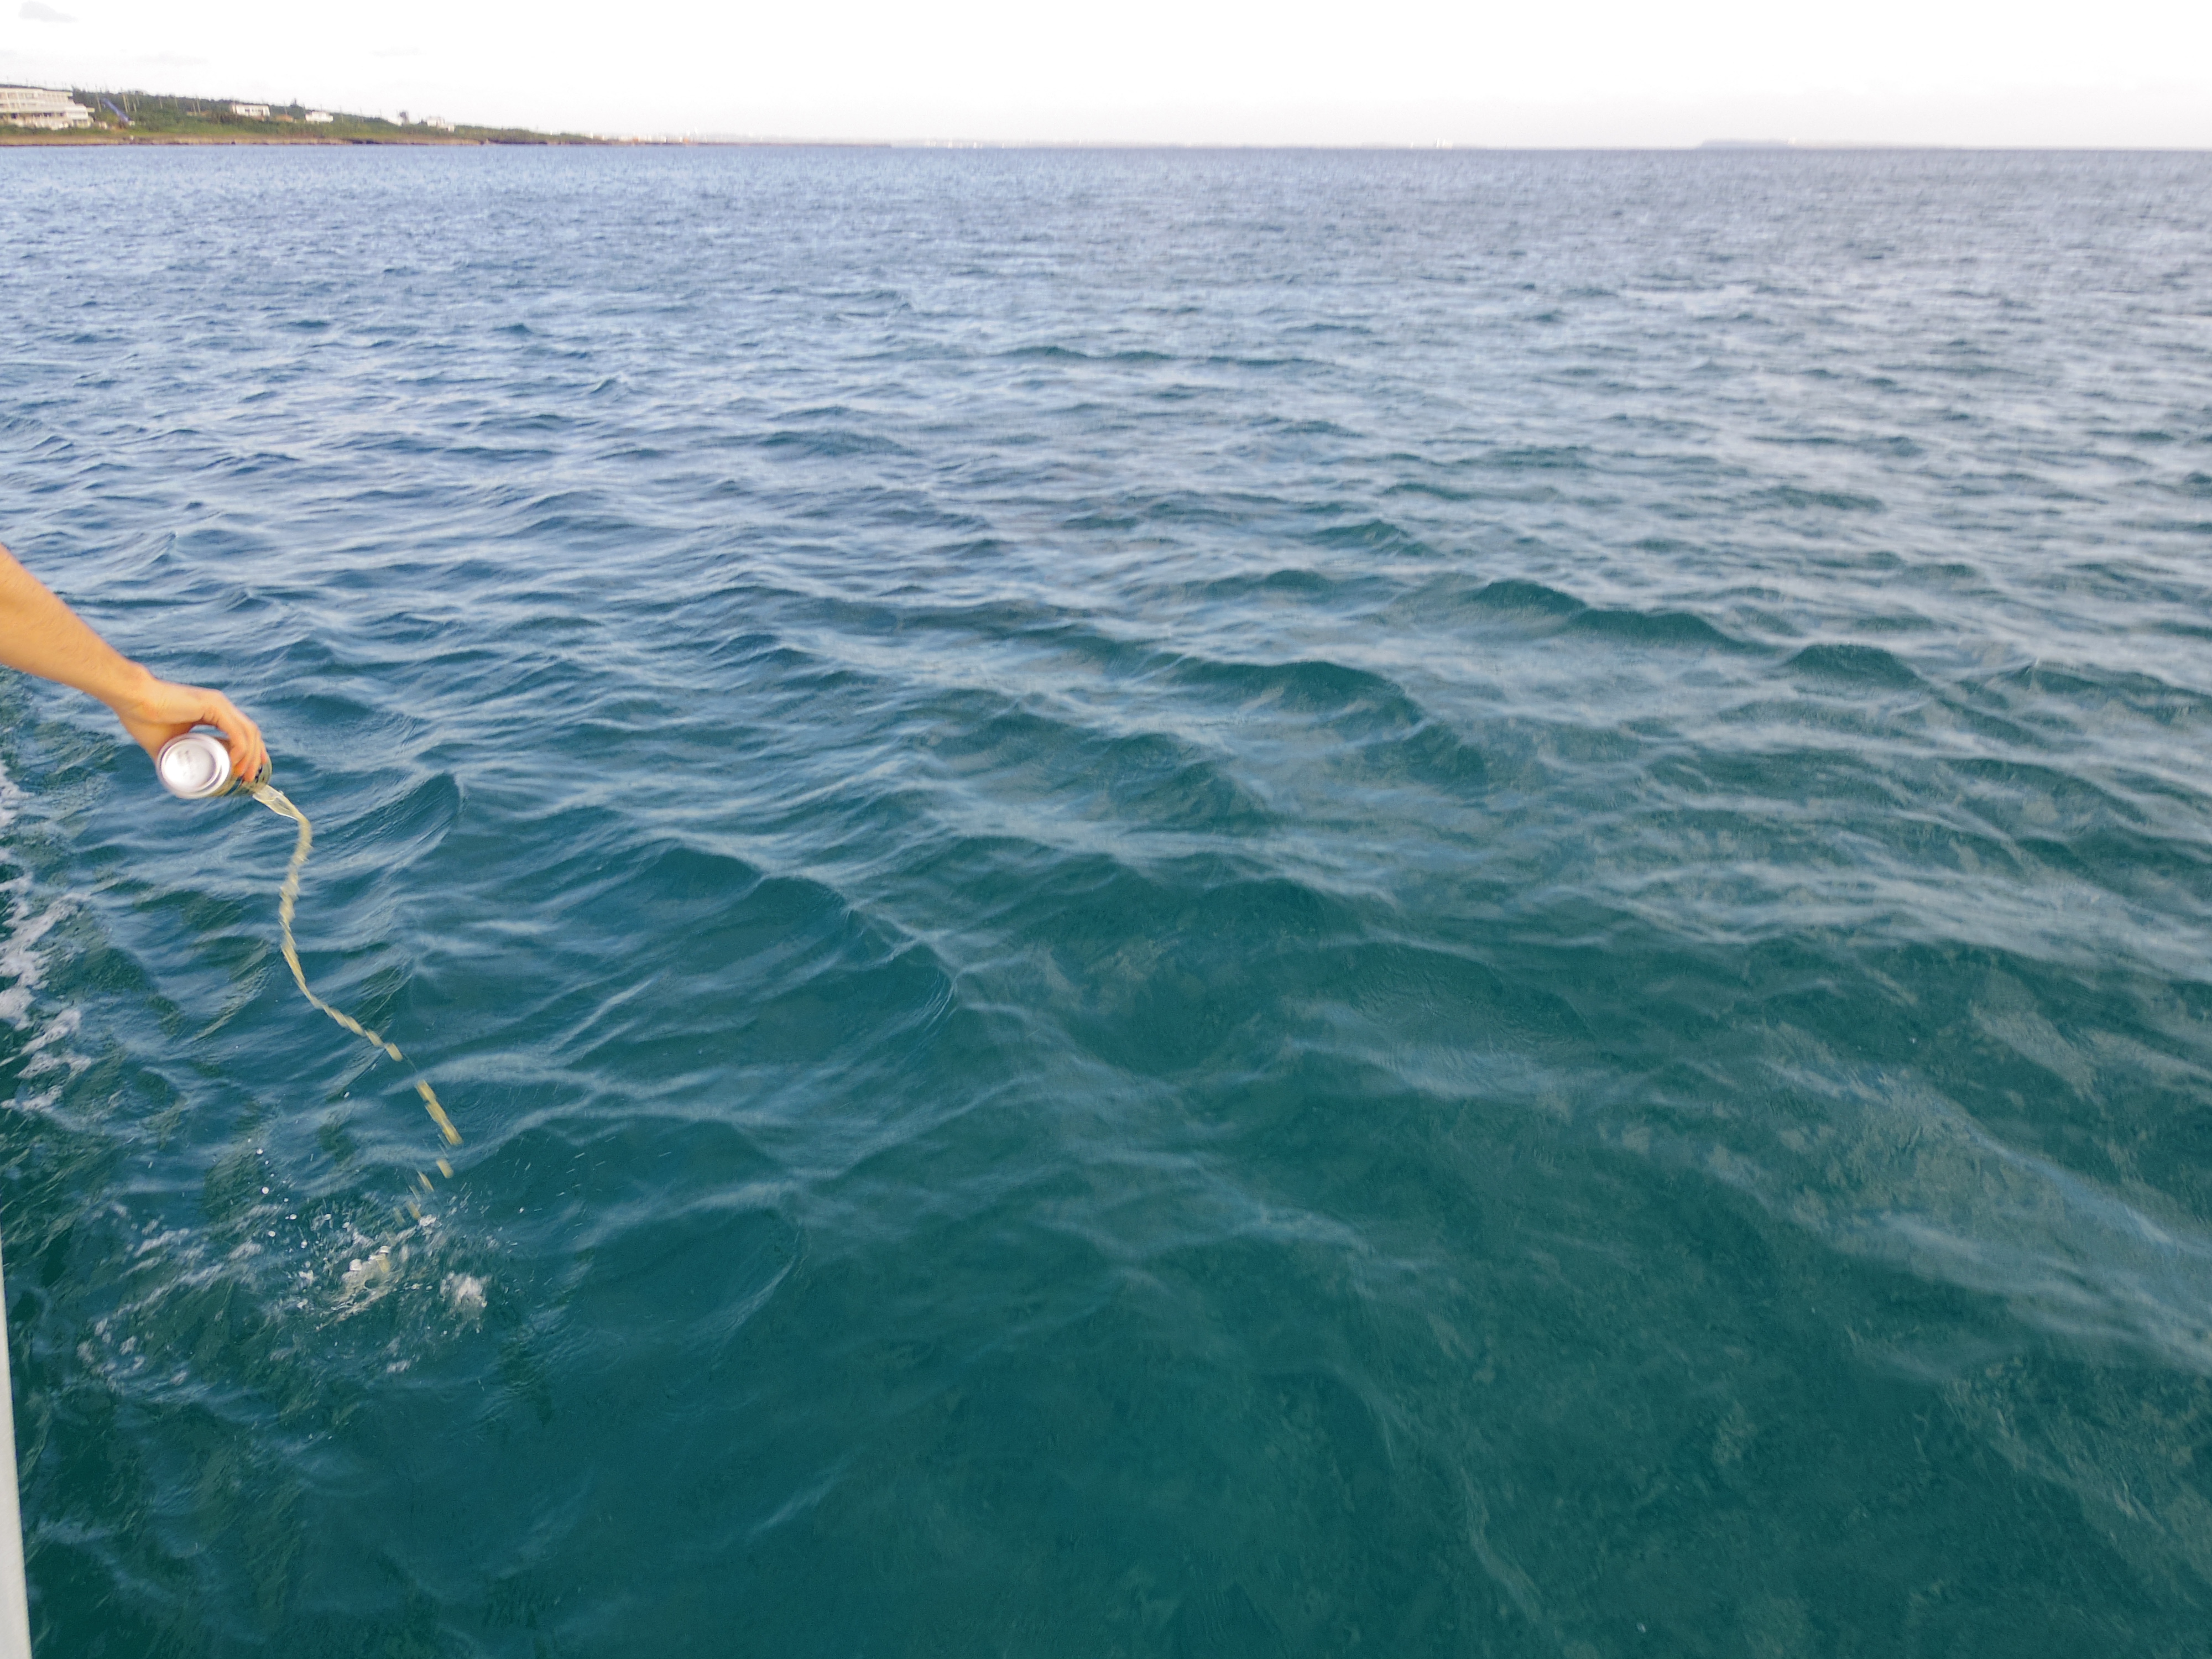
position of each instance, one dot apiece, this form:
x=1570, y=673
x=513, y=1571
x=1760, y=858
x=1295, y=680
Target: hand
x=153, y=711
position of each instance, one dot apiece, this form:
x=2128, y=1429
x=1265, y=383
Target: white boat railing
x=15, y=1600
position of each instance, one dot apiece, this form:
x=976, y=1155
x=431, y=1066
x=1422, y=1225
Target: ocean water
x=1183, y=904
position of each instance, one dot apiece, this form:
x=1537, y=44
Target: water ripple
x=1179, y=904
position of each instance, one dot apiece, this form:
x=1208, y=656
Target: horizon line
x=1428, y=146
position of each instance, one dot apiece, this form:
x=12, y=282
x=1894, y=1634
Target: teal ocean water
x=1182, y=904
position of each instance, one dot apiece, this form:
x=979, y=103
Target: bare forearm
x=42, y=635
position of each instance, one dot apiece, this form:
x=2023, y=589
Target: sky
x=1569, y=72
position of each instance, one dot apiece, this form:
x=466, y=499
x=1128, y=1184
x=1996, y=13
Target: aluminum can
x=195, y=766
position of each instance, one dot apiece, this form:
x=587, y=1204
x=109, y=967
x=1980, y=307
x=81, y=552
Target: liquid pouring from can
x=196, y=766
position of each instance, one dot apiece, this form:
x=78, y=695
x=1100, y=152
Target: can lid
x=193, y=768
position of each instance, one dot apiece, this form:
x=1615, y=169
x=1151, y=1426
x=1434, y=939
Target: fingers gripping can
x=196, y=766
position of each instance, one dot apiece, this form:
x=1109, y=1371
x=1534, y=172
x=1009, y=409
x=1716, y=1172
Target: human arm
x=42, y=635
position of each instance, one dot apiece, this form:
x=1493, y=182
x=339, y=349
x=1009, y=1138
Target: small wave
x=1312, y=687
x=750, y=970
x=1181, y=509
x=1940, y=1196
x=1296, y=584
x=1387, y=739
x=405, y=827
x=1069, y=354
x=1537, y=458
x=1535, y=604
x=1846, y=664
x=1145, y=779
x=1675, y=629
x=1797, y=499
x=1523, y=493
x=2056, y=688
x=1514, y=596
x=1374, y=535
x=830, y=445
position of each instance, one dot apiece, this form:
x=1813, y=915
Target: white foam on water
x=314, y=1264
x=465, y=1295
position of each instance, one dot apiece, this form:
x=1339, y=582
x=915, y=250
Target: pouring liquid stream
x=196, y=766
x=287, y=900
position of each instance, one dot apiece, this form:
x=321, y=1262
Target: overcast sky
x=1600, y=72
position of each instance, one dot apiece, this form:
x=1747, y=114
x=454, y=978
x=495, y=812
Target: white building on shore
x=250, y=112
x=41, y=106
x=317, y=118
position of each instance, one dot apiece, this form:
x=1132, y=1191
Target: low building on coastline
x=318, y=118
x=250, y=112
x=439, y=122
x=41, y=106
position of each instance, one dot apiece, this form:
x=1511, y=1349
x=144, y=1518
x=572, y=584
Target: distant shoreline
x=79, y=115
x=112, y=140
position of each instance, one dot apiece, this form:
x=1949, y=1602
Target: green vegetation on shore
x=154, y=118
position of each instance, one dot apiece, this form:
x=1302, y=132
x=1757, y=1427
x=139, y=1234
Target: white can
x=195, y=766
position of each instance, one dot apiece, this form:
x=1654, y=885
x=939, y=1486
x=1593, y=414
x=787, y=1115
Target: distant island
x=43, y=115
